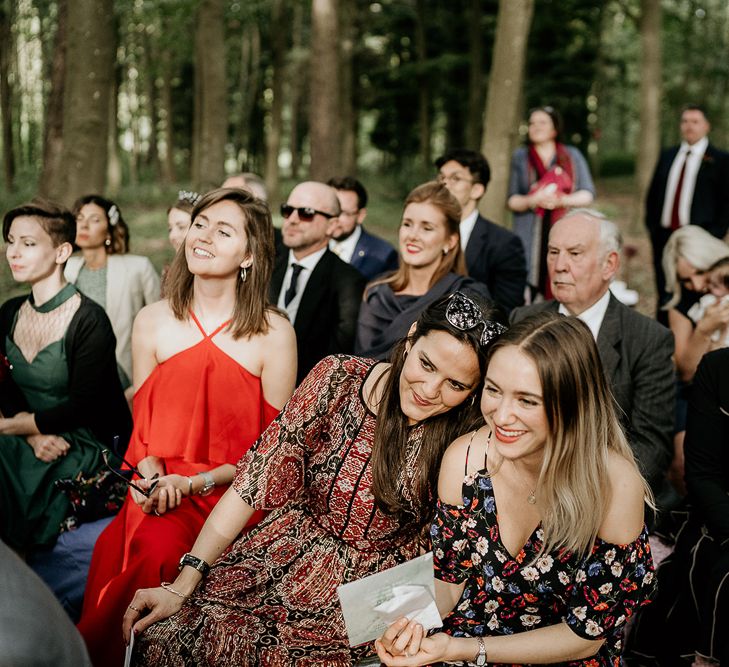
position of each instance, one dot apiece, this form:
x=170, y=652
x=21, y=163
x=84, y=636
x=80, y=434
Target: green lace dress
x=31, y=508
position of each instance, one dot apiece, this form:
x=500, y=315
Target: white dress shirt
x=689, y=181
x=345, y=249
x=309, y=264
x=466, y=227
x=592, y=316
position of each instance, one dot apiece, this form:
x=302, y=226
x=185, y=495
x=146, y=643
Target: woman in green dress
x=61, y=401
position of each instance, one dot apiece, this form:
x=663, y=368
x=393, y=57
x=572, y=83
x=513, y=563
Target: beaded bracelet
x=166, y=585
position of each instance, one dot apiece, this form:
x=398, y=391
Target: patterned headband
x=463, y=313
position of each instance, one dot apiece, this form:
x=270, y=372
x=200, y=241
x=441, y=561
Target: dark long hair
x=251, y=303
x=118, y=231
x=389, y=449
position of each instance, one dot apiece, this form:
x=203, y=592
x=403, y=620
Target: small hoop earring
x=243, y=273
x=445, y=251
x=107, y=243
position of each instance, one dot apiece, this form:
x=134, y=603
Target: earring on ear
x=107, y=243
x=243, y=273
x=445, y=251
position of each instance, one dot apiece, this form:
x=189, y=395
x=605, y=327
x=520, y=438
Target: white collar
x=466, y=227
x=592, y=316
x=310, y=261
x=345, y=249
x=698, y=149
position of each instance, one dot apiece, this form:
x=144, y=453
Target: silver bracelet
x=166, y=585
x=189, y=490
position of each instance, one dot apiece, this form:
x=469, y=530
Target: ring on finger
x=156, y=513
x=131, y=606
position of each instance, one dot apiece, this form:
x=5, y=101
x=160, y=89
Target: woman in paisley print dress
x=539, y=543
x=347, y=472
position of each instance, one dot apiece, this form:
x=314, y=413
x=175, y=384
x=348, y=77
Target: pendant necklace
x=532, y=497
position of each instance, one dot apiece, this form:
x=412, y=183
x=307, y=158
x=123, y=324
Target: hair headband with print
x=464, y=314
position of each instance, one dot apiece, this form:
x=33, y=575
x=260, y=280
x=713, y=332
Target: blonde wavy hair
x=573, y=488
x=698, y=248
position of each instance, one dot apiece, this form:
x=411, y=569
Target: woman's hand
x=716, y=317
x=166, y=496
x=48, y=448
x=160, y=603
x=404, y=644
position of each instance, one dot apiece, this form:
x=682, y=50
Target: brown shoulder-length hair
x=389, y=450
x=437, y=195
x=117, y=229
x=251, y=303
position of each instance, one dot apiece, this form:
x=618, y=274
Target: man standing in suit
x=494, y=255
x=690, y=186
x=369, y=254
x=320, y=292
x=583, y=255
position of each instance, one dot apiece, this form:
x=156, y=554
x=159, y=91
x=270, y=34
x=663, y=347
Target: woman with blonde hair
x=539, y=542
x=213, y=365
x=432, y=264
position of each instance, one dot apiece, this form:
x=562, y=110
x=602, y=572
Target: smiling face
x=513, y=406
x=216, y=244
x=439, y=373
x=541, y=128
x=92, y=227
x=579, y=270
x=424, y=236
x=30, y=251
x=307, y=237
x=178, y=222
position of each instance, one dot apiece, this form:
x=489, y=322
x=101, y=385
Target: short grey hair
x=611, y=240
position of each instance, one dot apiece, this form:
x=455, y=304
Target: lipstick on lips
x=419, y=401
x=507, y=436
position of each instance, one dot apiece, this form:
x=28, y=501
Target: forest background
x=138, y=98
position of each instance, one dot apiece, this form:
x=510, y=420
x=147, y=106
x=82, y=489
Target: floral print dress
x=504, y=595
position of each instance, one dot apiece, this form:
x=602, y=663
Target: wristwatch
x=480, y=659
x=209, y=485
x=193, y=561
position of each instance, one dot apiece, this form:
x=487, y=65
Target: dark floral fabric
x=271, y=599
x=504, y=595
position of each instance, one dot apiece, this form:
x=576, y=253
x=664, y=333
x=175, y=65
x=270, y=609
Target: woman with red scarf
x=547, y=178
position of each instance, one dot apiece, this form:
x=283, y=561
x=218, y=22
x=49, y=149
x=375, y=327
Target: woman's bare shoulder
x=624, y=518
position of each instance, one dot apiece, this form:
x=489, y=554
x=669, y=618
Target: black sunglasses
x=105, y=453
x=464, y=314
x=305, y=213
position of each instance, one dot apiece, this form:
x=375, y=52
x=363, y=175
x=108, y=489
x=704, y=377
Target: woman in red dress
x=213, y=365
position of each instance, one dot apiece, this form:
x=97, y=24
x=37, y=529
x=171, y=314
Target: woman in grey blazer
x=105, y=271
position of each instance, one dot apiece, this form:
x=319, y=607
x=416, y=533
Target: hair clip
x=113, y=215
x=490, y=331
x=190, y=196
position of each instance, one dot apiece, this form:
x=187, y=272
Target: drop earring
x=243, y=273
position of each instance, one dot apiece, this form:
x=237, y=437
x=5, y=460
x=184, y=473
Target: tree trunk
x=6, y=92
x=89, y=73
x=248, y=82
x=503, y=99
x=348, y=116
x=50, y=185
x=423, y=86
x=167, y=165
x=324, y=125
x=649, y=143
x=149, y=61
x=297, y=74
x=210, y=125
x=273, y=138
x=474, y=118
x=114, y=168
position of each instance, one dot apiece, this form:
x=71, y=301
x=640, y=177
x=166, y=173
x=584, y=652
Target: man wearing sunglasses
x=320, y=293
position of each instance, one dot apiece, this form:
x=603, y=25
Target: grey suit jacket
x=636, y=354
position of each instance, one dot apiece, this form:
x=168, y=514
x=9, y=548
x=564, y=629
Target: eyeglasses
x=453, y=179
x=146, y=493
x=305, y=213
x=464, y=314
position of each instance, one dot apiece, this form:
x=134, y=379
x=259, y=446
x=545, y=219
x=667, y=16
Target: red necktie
x=675, y=222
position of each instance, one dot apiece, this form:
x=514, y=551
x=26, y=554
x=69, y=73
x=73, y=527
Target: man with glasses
x=369, y=254
x=494, y=255
x=320, y=293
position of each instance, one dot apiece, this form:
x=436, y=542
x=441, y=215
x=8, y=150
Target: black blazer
x=710, y=203
x=495, y=257
x=637, y=357
x=373, y=256
x=326, y=321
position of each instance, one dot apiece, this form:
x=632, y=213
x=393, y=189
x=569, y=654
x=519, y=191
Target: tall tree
x=474, y=119
x=324, y=125
x=53, y=127
x=6, y=91
x=210, y=124
x=348, y=113
x=423, y=84
x=89, y=71
x=649, y=142
x=275, y=128
x=502, y=102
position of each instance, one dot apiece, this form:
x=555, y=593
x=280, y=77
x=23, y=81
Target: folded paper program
x=415, y=602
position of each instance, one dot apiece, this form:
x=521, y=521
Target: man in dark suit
x=320, y=292
x=690, y=186
x=494, y=255
x=636, y=351
x=351, y=242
